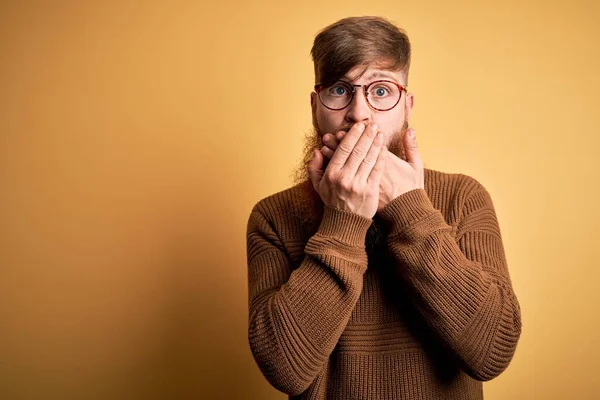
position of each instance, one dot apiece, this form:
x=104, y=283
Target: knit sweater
x=416, y=303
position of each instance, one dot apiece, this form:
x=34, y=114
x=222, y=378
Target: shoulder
x=282, y=201
x=298, y=206
x=455, y=194
x=456, y=183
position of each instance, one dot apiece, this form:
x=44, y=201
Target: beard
x=313, y=140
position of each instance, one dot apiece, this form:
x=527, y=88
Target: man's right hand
x=351, y=180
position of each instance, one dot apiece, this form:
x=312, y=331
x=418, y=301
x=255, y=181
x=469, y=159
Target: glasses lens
x=383, y=95
x=336, y=96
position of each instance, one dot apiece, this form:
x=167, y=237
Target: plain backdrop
x=136, y=136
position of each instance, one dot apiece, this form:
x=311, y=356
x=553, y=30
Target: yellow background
x=135, y=137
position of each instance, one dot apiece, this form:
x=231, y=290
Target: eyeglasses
x=380, y=95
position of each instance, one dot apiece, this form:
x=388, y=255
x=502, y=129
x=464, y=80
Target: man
x=373, y=277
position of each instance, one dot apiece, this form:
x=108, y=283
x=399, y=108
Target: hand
x=399, y=176
x=351, y=180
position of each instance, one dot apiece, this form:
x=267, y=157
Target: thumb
x=412, y=149
x=315, y=168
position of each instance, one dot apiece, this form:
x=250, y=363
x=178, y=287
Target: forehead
x=361, y=74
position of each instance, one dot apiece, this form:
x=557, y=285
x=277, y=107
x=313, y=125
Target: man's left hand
x=399, y=176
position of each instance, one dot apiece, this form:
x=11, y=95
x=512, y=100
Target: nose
x=358, y=110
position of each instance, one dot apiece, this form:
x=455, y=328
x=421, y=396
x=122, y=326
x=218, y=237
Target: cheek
x=390, y=124
x=329, y=122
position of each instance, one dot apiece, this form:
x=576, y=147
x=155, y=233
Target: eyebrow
x=376, y=74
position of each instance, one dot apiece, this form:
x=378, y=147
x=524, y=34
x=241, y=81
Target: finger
x=360, y=150
x=338, y=138
x=315, y=168
x=332, y=141
x=327, y=152
x=377, y=172
x=411, y=149
x=368, y=163
x=345, y=148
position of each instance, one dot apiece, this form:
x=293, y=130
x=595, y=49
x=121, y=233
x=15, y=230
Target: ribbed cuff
x=408, y=209
x=346, y=226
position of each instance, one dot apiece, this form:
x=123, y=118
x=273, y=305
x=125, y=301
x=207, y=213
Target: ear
x=408, y=105
x=313, y=106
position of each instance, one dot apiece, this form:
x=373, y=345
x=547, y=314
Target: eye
x=338, y=90
x=381, y=91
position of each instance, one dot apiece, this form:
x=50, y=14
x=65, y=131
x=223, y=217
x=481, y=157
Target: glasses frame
x=321, y=86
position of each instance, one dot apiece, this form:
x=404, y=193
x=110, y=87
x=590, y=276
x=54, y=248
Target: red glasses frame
x=322, y=86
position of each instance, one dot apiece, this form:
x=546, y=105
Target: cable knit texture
x=416, y=303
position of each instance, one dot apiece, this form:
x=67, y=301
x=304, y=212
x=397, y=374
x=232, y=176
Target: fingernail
x=374, y=127
x=411, y=134
x=361, y=126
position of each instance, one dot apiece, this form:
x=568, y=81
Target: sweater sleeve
x=296, y=316
x=460, y=281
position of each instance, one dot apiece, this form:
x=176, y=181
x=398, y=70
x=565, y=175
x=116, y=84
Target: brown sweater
x=414, y=304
